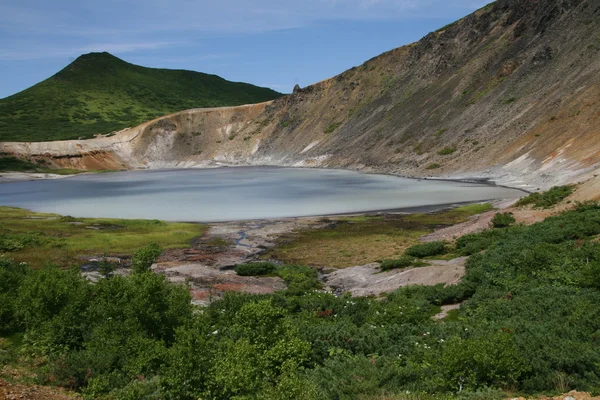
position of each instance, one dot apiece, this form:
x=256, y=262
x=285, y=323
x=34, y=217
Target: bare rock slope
x=510, y=92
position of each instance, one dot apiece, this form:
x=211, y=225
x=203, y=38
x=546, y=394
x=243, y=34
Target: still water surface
x=235, y=193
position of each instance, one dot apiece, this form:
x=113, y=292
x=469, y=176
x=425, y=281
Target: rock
x=297, y=89
x=570, y=398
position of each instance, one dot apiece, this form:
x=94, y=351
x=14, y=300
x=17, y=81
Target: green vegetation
x=362, y=240
x=503, y=220
x=441, y=132
x=427, y=249
x=450, y=217
x=433, y=166
x=447, y=151
x=332, y=127
x=143, y=258
x=402, y=262
x=13, y=164
x=547, y=199
x=39, y=238
x=509, y=100
x=99, y=93
x=255, y=269
x=529, y=323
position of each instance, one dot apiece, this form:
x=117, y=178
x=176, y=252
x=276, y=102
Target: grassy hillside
x=100, y=93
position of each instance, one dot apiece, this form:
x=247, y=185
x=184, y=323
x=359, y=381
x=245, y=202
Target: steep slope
x=511, y=92
x=100, y=93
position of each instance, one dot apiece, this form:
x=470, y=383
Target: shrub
x=299, y=279
x=143, y=258
x=332, y=127
x=426, y=249
x=255, y=269
x=502, y=220
x=547, y=199
x=480, y=362
x=402, y=262
x=434, y=166
x=447, y=151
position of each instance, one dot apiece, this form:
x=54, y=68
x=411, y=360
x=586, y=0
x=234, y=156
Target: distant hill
x=100, y=93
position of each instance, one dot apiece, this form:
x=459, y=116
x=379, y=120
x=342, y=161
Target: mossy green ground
x=13, y=164
x=365, y=239
x=60, y=240
x=100, y=93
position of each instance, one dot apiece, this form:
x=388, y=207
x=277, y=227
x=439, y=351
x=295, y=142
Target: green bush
x=332, y=127
x=12, y=275
x=426, y=249
x=433, y=166
x=255, y=269
x=299, y=279
x=502, y=220
x=143, y=258
x=402, y=262
x=447, y=151
x=547, y=199
x=473, y=363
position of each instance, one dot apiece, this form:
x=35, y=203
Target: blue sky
x=275, y=43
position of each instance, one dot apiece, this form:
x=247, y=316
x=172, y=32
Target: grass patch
x=365, y=239
x=347, y=244
x=452, y=216
x=433, y=166
x=39, y=238
x=547, y=199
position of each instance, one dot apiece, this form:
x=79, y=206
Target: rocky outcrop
x=511, y=92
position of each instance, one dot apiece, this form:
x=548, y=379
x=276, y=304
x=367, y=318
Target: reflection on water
x=235, y=193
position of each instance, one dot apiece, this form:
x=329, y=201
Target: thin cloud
x=132, y=17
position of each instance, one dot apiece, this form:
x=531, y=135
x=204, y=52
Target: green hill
x=100, y=93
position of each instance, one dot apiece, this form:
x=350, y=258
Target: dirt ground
x=19, y=391
x=574, y=395
x=208, y=265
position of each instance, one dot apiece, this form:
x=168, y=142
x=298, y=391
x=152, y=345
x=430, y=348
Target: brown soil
x=574, y=394
x=19, y=391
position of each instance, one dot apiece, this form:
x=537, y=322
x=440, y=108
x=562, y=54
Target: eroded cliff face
x=511, y=92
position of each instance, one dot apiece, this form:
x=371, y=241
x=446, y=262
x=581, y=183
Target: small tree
x=502, y=220
x=106, y=268
x=143, y=258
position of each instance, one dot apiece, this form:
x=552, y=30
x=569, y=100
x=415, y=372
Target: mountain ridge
x=510, y=92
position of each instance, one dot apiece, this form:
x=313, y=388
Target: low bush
x=426, y=249
x=502, y=220
x=546, y=199
x=143, y=259
x=255, y=269
x=299, y=279
x=447, y=151
x=402, y=262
